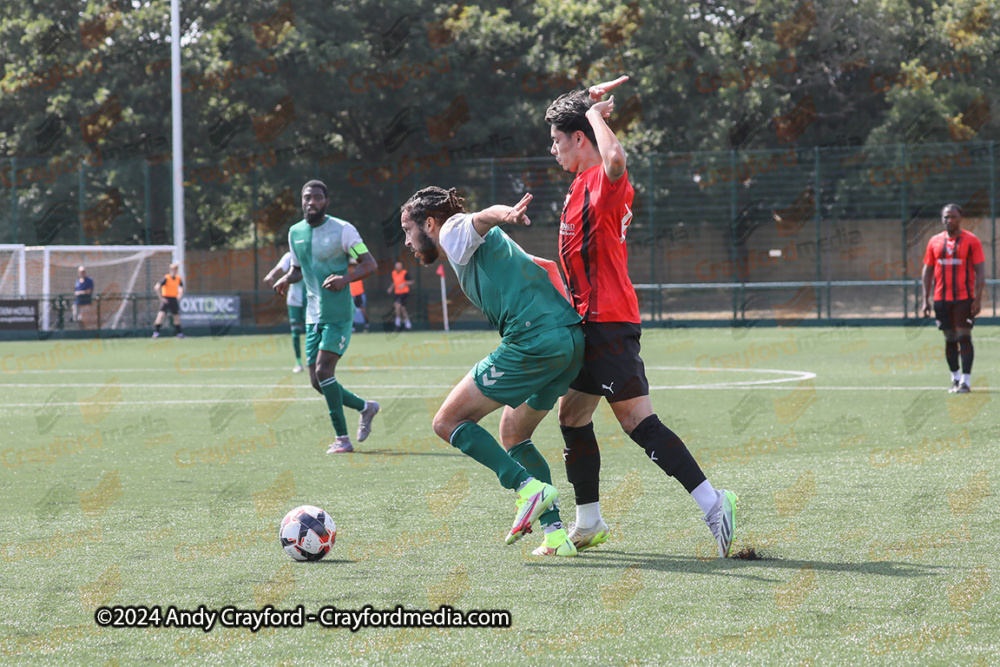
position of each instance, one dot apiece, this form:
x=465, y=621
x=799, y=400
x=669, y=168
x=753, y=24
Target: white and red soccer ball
x=307, y=533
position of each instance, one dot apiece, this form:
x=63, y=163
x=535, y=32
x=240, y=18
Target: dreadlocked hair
x=434, y=202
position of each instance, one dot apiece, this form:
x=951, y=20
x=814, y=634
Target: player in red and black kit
x=955, y=266
x=595, y=220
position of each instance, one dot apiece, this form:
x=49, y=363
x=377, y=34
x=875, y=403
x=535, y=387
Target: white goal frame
x=137, y=252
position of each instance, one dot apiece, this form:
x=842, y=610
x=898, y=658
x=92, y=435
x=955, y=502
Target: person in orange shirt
x=170, y=290
x=360, y=301
x=401, y=288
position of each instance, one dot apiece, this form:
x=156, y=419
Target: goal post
x=120, y=273
x=13, y=279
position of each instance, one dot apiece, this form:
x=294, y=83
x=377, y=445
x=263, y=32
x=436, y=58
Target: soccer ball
x=307, y=533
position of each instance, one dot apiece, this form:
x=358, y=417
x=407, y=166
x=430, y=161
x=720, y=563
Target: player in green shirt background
x=540, y=352
x=321, y=246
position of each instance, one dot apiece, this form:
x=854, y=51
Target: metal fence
x=838, y=231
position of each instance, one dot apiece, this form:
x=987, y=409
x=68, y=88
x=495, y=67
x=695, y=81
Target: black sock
x=951, y=354
x=178, y=327
x=156, y=327
x=668, y=451
x=965, y=349
x=583, y=462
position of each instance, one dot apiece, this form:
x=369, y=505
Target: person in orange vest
x=170, y=290
x=401, y=288
x=360, y=301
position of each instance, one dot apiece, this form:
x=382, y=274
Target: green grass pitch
x=139, y=472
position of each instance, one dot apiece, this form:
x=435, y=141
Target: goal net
x=124, y=279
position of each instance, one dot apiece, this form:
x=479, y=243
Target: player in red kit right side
x=955, y=268
x=592, y=232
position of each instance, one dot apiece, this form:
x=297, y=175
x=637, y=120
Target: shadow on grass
x=618, y=560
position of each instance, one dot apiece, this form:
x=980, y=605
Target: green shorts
x=297, y=318
x=536, y=370
x=327, y=337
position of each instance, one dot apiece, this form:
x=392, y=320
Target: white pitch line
x=818, y=388
x=388, y=396
x=178, y=402
x=343, y=367
x=124, y=385
x=425, y=386
x=796, y=376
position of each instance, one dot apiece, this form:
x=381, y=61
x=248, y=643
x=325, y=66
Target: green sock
x=532, y=460
x=476, y=442
x=331, y=392
x=352, y=401
x=297, y=346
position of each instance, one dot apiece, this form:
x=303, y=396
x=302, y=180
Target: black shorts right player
x=612, y=367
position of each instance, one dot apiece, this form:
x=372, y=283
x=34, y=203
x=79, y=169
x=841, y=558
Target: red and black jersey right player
x=955, y=269
x=595, y=220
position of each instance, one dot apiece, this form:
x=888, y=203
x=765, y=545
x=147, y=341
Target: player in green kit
x=321, y=246
x=540, y=353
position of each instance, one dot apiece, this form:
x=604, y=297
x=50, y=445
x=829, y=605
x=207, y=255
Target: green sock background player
x=321, y=246
x=540, y=353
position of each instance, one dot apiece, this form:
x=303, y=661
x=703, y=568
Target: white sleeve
x=285, y=264
x=293, y=259
x=350, y=238
x=459, y=238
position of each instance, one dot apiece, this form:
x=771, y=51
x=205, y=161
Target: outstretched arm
x=485, y=220
x=293, y=276
x=272, y=275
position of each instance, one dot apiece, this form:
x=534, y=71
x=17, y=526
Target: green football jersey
x=321, y=252
x=504, y=282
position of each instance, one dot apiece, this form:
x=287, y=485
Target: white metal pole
x=46, y=303
x=177, y=131
x=444, y=302
x=22, y=284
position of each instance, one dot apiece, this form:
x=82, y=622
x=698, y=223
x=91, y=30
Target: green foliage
x=375, y=96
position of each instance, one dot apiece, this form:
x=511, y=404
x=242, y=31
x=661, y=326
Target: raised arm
x=598, y=91
x=612, y=153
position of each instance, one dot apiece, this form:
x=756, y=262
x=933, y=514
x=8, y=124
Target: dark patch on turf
x=751, y=553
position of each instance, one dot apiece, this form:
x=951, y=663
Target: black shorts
x=170, y=305
x=360, y=301
x=401, y=299
x=954, y=314
x=612, y=367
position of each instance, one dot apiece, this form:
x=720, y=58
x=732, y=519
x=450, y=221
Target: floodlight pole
x=177, y=132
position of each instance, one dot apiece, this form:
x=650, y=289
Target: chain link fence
x=833, y=232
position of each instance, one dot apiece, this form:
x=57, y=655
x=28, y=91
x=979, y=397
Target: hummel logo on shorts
x=491, y=376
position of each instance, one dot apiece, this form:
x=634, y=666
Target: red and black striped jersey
x=595, y=219
x=954, y=260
